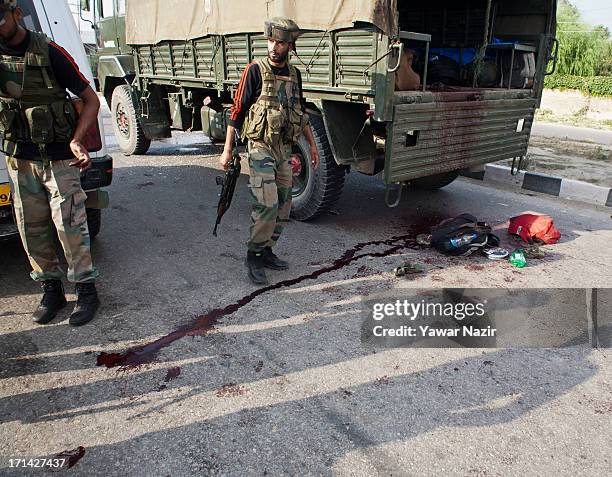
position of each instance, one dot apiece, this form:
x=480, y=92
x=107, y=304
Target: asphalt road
x=572, y=133
x=284, y=385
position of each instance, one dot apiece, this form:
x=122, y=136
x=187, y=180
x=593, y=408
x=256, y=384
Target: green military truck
x=481, y=65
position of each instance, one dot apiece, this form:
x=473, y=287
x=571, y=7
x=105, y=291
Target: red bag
x=530, y=226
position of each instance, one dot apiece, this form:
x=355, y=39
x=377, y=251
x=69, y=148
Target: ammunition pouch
x=41, y=125
x=256, y=125
x=298, y=120
x=12, y=127
x=271, y=126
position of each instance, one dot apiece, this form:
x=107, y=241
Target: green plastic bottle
x=517, y=258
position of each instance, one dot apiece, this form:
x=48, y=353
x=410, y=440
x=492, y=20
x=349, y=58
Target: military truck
x=55, y=20
x=186, y=59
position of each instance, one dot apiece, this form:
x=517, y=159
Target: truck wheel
x=94, y=222
x=315, y=191
x=436, y=181
x=128, y=130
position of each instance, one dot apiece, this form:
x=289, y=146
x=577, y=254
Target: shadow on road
x=309, y=429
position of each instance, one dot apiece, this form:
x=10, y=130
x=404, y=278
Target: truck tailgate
x=430, y=138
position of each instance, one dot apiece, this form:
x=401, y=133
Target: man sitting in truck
x=42, y=140
x=269, y=107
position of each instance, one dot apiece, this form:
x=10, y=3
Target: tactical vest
x=276, y=117
x=34, y=108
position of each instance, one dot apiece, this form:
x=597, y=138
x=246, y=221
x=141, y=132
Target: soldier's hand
x=82, y=159
x=314, y=156
x=225, y=159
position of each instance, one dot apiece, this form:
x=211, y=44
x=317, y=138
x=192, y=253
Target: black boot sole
x=255, y=281
x=52, y=317
x=272, y=266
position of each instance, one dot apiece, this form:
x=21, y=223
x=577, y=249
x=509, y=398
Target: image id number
x=53, y=463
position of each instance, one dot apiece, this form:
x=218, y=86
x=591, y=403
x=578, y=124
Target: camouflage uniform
x=34, y=108
x=274, y=123
x=52, y=194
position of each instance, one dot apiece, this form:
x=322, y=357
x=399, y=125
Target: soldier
x=42, y=141
x=269, y=107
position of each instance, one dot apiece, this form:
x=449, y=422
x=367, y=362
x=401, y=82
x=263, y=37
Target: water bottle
x=462, y=240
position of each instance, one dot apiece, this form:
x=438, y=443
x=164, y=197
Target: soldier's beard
x=6, y=39
x=278, y=57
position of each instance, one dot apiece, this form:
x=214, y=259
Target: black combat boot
x=53, y=300
x=272, y=261
x=255, y=265
x=86, y=305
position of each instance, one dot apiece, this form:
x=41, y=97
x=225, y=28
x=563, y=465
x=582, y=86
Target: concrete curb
x=551, y=185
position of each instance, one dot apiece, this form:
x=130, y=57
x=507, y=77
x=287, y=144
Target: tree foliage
x=584, y=50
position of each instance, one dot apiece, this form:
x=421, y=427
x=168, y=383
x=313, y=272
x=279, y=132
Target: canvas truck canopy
x=153, y=21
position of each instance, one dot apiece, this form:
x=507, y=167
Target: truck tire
x=94, y=222
x=436, y=181
x=127, y=128
x=315, y=191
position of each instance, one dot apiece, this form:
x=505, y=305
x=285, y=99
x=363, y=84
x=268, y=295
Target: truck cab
x=55, y=20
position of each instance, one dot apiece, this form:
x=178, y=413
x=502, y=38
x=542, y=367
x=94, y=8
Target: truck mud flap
x=100, y=174
x=431, y=138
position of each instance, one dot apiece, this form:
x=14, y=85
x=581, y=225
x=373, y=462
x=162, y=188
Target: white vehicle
x=56, y=21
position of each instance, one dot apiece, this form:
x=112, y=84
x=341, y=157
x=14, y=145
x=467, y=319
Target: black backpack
x=488, y=76
x=442, y=69
x=462, y=235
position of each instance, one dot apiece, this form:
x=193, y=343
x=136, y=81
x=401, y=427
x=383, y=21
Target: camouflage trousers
x=43, y=196
x=270, y=185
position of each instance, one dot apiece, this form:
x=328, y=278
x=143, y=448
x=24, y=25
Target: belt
x=13, y=149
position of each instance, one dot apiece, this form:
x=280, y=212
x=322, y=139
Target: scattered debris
x=346, y=393
x=603, y=408
x=363, y=271
x=475, y=268
x=172, y=373
x=383, y=380
x=409, y=269
x=517, y=258
x=495, y=253
x=231, y=390
x=73, y=456
x=533, y=250
x=259, y=366
x=423, y=239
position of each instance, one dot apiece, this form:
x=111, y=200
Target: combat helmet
x=7, y=5
x=281, y=29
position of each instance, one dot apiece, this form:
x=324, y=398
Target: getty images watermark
x=485, y=318
x=409, y=310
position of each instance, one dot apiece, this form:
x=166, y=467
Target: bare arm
x=314, y=152
x=87, y=117
x=226, y=156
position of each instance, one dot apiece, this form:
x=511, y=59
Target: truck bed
x=332, y=64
